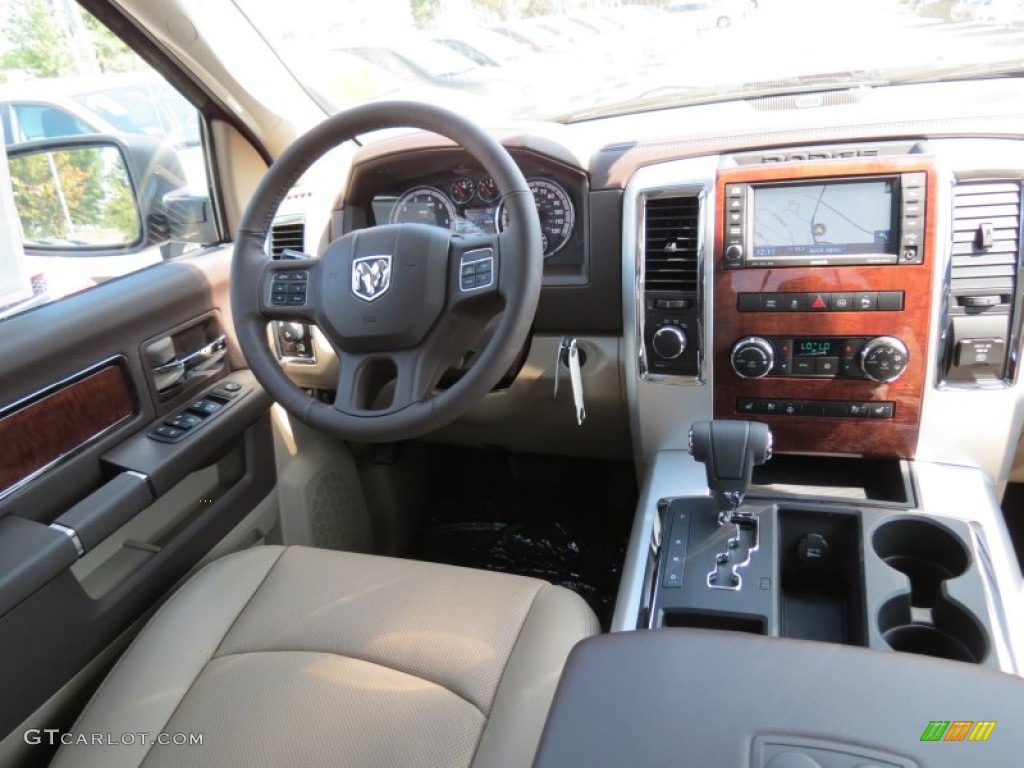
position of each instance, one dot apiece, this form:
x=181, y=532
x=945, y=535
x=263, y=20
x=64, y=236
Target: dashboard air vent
x=287, y=235
x=983, y=309
x=671, y=227
x=986, y=239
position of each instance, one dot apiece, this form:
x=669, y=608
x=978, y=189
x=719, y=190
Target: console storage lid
x=677, y=697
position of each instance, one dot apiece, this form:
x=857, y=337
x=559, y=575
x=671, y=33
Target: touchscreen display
x=832, y=218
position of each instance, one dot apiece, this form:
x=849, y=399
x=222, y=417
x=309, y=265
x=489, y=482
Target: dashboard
x=849, y=276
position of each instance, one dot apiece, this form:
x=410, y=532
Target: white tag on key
x=576, y=378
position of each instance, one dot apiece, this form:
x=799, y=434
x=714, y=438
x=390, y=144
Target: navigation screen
x=834, y=218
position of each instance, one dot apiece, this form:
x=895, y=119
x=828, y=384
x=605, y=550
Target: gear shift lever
x=729, y=451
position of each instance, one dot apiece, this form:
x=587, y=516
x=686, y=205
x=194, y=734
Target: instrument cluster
x=467, y=205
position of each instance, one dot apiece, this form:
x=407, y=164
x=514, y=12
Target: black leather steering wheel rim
x=518, y=266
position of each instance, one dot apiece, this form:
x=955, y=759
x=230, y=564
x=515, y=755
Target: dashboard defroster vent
x=287, y=235
x=671, y=228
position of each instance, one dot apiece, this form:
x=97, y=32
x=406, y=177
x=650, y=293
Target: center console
x=834, y=572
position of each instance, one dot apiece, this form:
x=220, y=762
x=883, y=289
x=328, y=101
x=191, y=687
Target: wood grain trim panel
x=35, y=434
x=895, y=437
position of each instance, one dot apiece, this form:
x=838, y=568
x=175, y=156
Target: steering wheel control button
x=289, y=288
x=476, y=270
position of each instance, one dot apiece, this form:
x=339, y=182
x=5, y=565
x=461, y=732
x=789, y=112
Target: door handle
x=170, y=374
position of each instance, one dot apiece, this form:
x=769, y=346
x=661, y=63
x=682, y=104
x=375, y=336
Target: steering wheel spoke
x=377, y=384
x=288, y=291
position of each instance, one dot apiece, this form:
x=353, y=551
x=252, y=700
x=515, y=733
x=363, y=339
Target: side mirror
x=102, y=195
x=76, y=198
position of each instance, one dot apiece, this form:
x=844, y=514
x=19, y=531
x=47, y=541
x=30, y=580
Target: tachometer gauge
x=554, y=208
x=488, y=190
x=424, y=205
x=463, y=190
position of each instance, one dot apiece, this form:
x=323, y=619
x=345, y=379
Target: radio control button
x=736, y=204
x=734, y=254
x=734, y=190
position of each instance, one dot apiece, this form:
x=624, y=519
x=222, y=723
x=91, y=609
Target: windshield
x=602, y=58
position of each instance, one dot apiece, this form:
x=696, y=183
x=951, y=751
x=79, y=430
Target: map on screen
x=813, y=219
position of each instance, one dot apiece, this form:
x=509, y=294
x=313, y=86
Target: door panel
x=145, y=510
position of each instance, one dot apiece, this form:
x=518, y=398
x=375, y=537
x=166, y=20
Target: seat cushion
x=304, y=657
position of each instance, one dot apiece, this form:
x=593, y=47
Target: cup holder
x=925, y=552
x=928, y=554
x=952, y=634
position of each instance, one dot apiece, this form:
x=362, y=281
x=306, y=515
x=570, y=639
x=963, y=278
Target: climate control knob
x=752, y=357
x=884, y=358
x=669, y=342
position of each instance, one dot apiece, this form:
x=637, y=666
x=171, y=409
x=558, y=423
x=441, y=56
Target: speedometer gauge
x=424, y=205
x=554, y=208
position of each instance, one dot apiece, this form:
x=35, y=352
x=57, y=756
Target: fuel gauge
x=463, y=190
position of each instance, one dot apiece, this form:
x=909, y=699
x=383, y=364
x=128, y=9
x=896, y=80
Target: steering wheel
x=400, y=303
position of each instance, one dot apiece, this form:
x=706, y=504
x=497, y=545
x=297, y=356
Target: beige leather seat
x=303, y=657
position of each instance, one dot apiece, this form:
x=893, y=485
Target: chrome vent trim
x=671, y=243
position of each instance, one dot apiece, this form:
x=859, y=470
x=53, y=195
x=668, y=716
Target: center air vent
x=287, y=235
x=670, y=327
x=671, y=227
